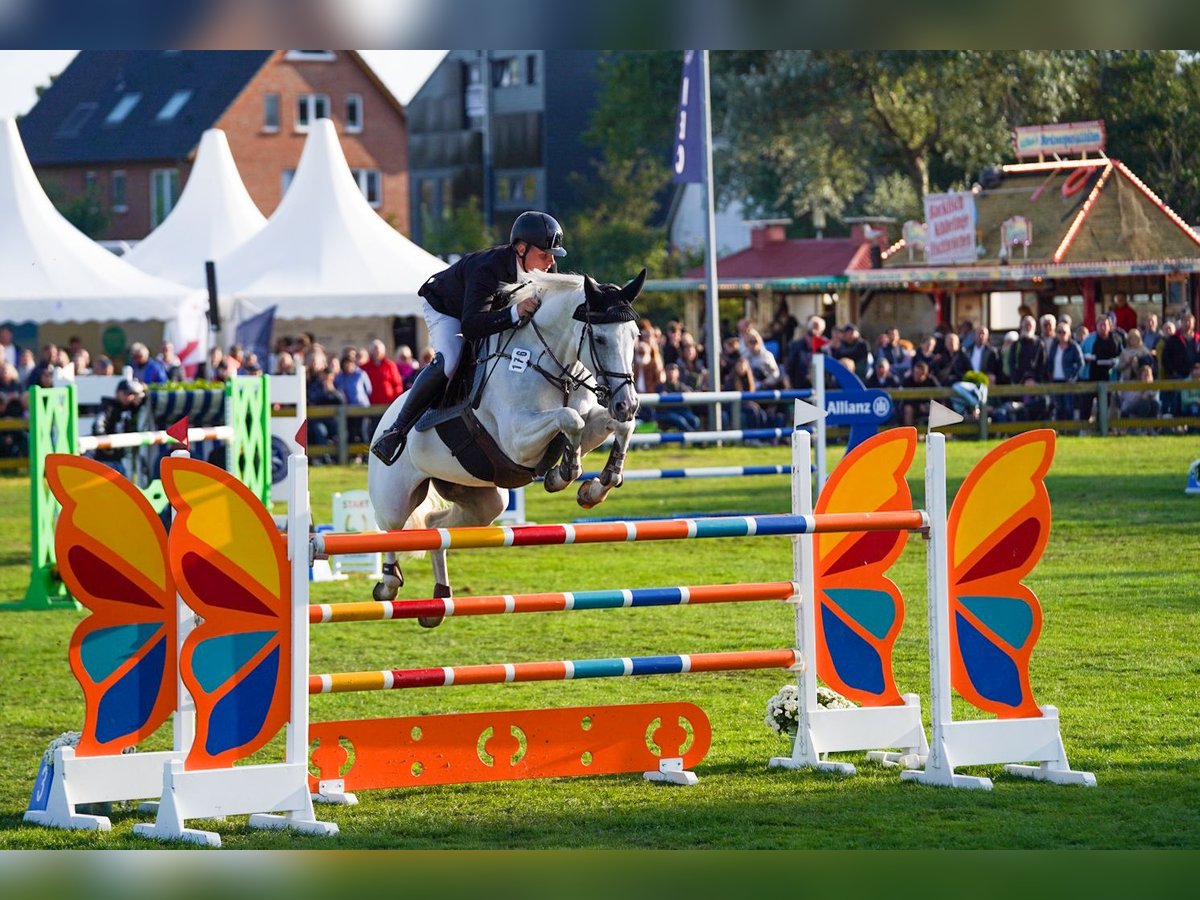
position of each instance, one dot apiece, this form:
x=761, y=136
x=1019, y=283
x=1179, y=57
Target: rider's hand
x=526, y=308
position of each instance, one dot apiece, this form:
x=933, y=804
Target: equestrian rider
x=457, y=303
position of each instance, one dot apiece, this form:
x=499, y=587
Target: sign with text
x=1066, y=139
x=950, y=219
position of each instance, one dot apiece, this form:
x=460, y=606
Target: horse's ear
x=591, y=290
x=631, y=290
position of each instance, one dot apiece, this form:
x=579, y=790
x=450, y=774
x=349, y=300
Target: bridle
x=566, y=381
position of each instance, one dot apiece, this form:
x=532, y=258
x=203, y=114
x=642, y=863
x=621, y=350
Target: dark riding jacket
x=467, y=291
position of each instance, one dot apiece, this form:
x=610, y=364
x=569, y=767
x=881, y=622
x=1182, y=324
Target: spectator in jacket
x=912, y=412
x=1134, y=355
x=1028, y=355
x=1062, y=367
x=386, y=383
x=854, y=348
x=982, y=356
x=1102, y=360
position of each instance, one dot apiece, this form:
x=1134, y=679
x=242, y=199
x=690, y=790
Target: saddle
x=454, y=420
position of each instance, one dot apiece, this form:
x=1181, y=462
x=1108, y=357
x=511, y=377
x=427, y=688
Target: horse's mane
x=553, y=282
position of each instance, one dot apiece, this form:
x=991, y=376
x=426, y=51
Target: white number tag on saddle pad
x=519, y=361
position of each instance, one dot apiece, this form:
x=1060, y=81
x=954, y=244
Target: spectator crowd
x=1045, y=350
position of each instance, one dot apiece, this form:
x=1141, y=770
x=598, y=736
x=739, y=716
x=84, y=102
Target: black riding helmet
x=540, y=230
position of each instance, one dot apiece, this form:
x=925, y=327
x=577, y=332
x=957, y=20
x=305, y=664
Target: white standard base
x=823, y=731
x=333, y=792
x=212, y=793
x=992, y=741
x=98, y=779
x=671, y=771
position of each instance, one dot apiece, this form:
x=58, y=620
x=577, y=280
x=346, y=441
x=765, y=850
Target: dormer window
x=123, y=108
x=172, y=107
x=310, y=56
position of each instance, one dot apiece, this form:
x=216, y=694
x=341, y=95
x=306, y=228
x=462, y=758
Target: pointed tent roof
x=325, y=253
x=214, y=216
x=55, y=273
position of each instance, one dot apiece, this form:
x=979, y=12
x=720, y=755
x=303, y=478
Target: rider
x=457, y=304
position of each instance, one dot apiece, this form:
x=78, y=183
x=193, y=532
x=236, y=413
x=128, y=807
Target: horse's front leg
x=599, y=425
x=541, y=428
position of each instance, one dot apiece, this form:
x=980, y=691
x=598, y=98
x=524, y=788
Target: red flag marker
x=302, y=435
x=179, y=431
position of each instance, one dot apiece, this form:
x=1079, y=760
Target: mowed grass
x=1117, y=656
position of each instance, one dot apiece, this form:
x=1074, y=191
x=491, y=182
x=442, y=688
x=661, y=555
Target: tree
x=462, y=231
x=613, y=238
x=1150, y=103
x=85, y=211
x=828, y=130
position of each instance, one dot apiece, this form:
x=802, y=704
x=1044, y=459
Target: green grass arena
x=1117, y=656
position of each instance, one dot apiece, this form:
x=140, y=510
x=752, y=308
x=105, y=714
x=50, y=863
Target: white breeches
x=445, y=334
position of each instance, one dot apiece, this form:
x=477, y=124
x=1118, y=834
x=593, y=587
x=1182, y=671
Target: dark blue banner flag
x=254, y=334
x=687, y=162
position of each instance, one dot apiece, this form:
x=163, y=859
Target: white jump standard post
x=276, y=795
x=820, y=730
x=981, y=741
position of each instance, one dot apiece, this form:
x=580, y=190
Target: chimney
x=769, y=232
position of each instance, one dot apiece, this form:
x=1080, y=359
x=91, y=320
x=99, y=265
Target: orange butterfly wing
x=231, y=566
x=859, y=609
x=998, y=529
x=112, y=555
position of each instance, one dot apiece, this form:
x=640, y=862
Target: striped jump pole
x=559, y=670
x=152, y=438
x=705, y=398
x=706, y=437
x=570, y=601
x=613, y=532
x=694, y=472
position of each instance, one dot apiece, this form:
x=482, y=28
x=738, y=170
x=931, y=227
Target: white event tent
x=53, y=273
x=325, y=253
x=213, y=217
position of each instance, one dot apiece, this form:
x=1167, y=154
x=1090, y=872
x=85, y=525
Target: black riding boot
x=430, y=383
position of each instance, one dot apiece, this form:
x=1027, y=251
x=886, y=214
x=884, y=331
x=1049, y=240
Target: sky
x=22, y=71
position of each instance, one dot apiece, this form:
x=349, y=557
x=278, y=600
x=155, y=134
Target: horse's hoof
x=382, y=592
x=590, y=494
x=430, y=621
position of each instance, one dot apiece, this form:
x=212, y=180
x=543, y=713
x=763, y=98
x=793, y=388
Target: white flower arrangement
x=66, y=739
x=783, y=710
x=70, y=739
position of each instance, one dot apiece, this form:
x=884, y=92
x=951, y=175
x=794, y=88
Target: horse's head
x=609, y=336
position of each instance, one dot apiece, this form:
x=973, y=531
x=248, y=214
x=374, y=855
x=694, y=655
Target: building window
x=172, y=107
x=270, y=113
x=370, y=182
x=75, y=120
x=354, y=113
x=310, y=56
x=89, y=181
x=503, y=187
x=118, y=191
x=447, y=197
x=426, y=193
x=531, y=69
x=164, y=194
x=309, y=108
x=285, y=181
x=506, y=72
x=123, y=108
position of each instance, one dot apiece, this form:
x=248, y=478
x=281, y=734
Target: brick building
x=127, y=124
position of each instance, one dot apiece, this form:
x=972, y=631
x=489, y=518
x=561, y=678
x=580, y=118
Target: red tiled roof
x=800, y=258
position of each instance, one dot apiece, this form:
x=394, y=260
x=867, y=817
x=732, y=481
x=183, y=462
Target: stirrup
x=389, y=446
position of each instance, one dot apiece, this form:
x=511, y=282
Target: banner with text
x=687, y=162
x=950, y=219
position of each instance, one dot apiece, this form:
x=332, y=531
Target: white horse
x=568, y=372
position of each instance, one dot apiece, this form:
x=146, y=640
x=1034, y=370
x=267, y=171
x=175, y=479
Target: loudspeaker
x=214, y=311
